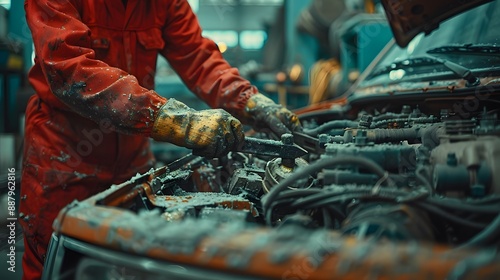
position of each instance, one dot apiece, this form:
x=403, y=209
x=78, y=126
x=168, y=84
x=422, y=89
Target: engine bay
x=367, y=188
x=397, y=176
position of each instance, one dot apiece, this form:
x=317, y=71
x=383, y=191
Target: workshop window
x=5, y=4
x=195, y=5
x=252, y=39
x=227, y=37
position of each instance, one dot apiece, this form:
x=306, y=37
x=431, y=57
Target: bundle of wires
x=322, y=72
x=269, y=200
x=329, y=200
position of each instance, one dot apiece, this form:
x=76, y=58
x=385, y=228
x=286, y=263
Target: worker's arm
x=98, y=91
x=206, y=73
x=200, y=64
x=87, y=86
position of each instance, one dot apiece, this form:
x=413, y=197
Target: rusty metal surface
x=285, y=253
x=203, y=199
x=272, y=148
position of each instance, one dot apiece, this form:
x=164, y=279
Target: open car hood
x=410, y=18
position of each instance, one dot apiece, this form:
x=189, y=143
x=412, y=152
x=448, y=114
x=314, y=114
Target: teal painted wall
x=18, y=30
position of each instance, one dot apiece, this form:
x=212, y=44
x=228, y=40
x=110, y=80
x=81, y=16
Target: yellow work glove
x=210, y=133
x=262, y=113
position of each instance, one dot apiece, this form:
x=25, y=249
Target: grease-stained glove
x=262, y=113
x=210, y=133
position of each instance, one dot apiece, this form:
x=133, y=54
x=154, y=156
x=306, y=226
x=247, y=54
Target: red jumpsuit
x=88, y=125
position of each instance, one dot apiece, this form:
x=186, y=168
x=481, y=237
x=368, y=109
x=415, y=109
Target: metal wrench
x=266, y=147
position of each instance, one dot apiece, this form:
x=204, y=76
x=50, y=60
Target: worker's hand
x=262, y=113
x=210, y=133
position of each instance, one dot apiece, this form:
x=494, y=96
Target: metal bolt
x=444, y=114
x=323, y=140
x=361, y=139
x=406, y=109
x=365, y=121
x=287, y=139
x=452, y=159
x=330, y=150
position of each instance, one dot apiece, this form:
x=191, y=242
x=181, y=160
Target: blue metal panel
x=373, y=37
x=300, y=48
x=361, y=43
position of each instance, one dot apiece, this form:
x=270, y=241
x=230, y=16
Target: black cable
x=424, y=179
x=336, y=212
x=317, y=166
x=336, y=124
x=299, y=193
x=486, y=236
x=358, y=193
x=463, y=206
x=330, y=200
x=304, y=201
x=327, y=219
x=449, y=216
x=321, y=115
x=268, y=214
x=486, y=200
x=291, y=201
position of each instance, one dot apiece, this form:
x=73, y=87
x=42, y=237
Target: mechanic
x=88, y=125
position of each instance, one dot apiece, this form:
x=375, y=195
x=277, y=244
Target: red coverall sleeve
x=200, y=64
x=87, y=86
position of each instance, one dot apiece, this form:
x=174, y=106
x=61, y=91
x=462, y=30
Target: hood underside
x=410, y=18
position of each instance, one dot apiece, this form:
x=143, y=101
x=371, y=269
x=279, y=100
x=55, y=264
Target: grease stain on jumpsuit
x=75, y=88
x=53, y=46
x=26, y=218
x=80, y=175
x=63, y=158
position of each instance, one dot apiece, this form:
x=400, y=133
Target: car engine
x=401, y=175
